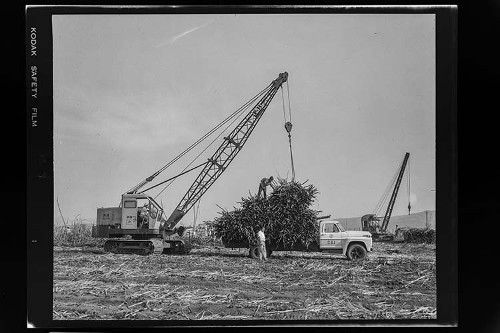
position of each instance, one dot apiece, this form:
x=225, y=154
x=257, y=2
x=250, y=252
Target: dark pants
x=262, y=190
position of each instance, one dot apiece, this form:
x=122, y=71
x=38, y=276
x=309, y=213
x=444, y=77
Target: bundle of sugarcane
x=416, y=235
x=285, y=214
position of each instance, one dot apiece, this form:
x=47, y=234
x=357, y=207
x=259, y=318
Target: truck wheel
x=254, y=252
x=356, y=252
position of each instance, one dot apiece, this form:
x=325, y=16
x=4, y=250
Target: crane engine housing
x=140, y=219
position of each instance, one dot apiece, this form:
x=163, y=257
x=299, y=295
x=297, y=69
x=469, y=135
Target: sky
x=131, y=92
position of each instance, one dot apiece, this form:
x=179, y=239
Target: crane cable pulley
x=288, y=125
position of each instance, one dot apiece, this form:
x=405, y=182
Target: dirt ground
x=398, y=281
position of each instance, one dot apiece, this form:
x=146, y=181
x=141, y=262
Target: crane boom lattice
x=388, y=213
x=224, y=155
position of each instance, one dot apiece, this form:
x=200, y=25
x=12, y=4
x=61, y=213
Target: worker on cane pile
x=263, y=185
x=261, y=238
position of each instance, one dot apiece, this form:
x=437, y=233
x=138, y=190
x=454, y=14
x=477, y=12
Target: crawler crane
x=370, y=222
x=140, y=218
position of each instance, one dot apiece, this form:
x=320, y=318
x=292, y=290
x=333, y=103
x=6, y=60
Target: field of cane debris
x=398, y=281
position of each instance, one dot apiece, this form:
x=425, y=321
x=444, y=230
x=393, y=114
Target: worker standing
x=261, y=238
x=263, y=185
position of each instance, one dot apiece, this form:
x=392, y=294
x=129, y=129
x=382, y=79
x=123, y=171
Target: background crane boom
x=388, y=213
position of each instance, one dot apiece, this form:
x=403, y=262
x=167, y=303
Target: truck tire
x=254, y=252
x=356, y=252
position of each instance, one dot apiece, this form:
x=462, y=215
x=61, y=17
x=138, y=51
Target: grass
x=78, y=233
x=75, y=233
x=398, y=281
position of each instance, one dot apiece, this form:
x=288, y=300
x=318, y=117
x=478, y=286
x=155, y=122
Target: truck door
x=330, y=236
x=129, y=214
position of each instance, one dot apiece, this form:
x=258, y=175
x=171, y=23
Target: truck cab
x=333, y=238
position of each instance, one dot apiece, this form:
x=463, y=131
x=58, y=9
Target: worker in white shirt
x=261, y=238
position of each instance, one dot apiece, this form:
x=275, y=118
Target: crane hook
x=288, y=127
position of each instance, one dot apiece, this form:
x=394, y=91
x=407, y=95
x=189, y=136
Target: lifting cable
x=197, y=156
x=197, y=142
x=213, y=130
x=288, y=125
x=235, y=115
x=196, y=211
x=383, y=199
x=173, y=178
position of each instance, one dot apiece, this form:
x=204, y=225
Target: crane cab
x=140, y=211
x=138, y=215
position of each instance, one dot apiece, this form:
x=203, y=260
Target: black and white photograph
x=247, y=166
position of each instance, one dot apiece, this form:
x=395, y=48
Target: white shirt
x=261, y=237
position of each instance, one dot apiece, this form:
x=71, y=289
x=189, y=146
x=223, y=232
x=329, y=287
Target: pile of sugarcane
x=285, y=214
x=416, y=235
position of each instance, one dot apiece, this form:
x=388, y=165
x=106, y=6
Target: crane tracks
x=132, y=246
